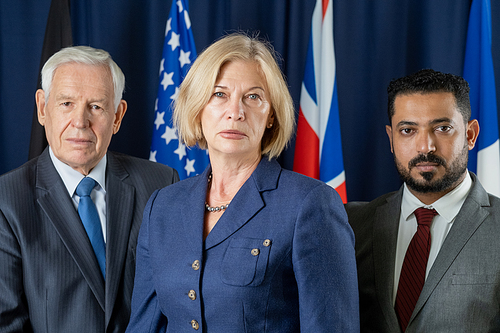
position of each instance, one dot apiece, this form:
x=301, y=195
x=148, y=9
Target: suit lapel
x=197, y=193
x=246, y=203
x=469, y=218
x=385, y=234
x=56, y=204
x=119, y=216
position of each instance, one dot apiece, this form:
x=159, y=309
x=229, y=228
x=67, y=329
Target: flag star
x=174, y=40
x=170, y=134
x=189, y=166
x=162, y=66
x=169, y=26
x=179, y=4
x=167, y=80
x=181, y=150
x=152, y=155
x=156, y=104
x=184, y=58
x=175, y=95
x=188, y=21
x=159, y=119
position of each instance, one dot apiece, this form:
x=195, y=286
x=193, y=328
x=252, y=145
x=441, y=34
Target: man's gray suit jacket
x=49, y=276
x=462, y=290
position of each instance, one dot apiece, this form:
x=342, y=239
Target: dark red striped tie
x=412, y=276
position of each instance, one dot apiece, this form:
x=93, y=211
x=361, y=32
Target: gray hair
x=83, y=55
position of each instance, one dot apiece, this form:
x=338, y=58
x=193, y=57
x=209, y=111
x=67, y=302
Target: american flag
x=179, y=53
x=318, y=147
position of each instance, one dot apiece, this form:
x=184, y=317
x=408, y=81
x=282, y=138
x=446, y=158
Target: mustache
x=430, y=158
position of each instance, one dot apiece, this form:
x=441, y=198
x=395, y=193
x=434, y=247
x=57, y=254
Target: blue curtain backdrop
x=375, y=41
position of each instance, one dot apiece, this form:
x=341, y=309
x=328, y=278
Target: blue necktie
x=90, y=219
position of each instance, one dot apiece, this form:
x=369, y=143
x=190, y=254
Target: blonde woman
x=246, y=246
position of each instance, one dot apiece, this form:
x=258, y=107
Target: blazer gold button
x=255, y=252
x=196, y=265
x=192, y=294
x=267, y=242
x=195, y=325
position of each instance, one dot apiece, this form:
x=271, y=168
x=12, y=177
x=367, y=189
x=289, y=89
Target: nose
x=425, y=143
x=80, y=117
x=235, y=109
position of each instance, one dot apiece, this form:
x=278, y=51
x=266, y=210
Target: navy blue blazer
x=280, y=259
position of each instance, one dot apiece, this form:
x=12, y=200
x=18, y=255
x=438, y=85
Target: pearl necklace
x=215, y=209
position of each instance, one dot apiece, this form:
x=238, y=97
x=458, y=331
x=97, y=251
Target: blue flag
x=179, y=53
x=484, y=159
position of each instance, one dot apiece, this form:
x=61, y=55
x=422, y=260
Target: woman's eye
x=219, y=94
x=253, y=96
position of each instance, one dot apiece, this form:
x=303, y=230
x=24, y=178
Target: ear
x=388, y=130
x=40, y=106
x=120, y=112
x=472, y=133
x=270, y=119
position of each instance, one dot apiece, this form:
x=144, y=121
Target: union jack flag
x=318, y=147
x=179, y=52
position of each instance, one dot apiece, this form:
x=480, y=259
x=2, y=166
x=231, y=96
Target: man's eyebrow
x=406, y=123
x=441, y=120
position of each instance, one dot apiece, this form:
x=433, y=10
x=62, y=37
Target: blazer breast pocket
x=245, y=261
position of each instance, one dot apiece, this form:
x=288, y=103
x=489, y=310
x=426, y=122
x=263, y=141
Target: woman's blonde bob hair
x=198, y=87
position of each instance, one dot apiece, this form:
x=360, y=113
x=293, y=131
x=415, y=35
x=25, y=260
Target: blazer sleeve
x=146, y=315
x=13, y=308
x=324, y=264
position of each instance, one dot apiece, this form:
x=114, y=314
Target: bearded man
x=427, y=255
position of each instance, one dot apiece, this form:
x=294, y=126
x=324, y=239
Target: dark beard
x=452, y=174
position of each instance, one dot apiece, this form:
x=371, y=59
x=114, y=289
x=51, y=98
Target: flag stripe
x=484, y=159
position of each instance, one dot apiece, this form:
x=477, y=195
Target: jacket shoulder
x=361, y=211
x=20, y=177
x=145, y=169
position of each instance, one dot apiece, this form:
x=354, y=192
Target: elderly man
x=427, y=254
x=69, y=219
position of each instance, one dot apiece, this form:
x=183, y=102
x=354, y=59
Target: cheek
x=402, y=153
x=55, y=127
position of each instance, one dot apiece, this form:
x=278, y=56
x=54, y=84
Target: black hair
x=428, y=81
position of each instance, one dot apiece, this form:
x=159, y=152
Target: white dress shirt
x=72, y=178
x=447, y=207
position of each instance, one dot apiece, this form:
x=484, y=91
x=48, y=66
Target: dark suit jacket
x=462, y=290
x=49, y=277
x=280, y=259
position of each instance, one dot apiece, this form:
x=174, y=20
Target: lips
x=426, y=167
x=79, y=141
x=232, y=134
